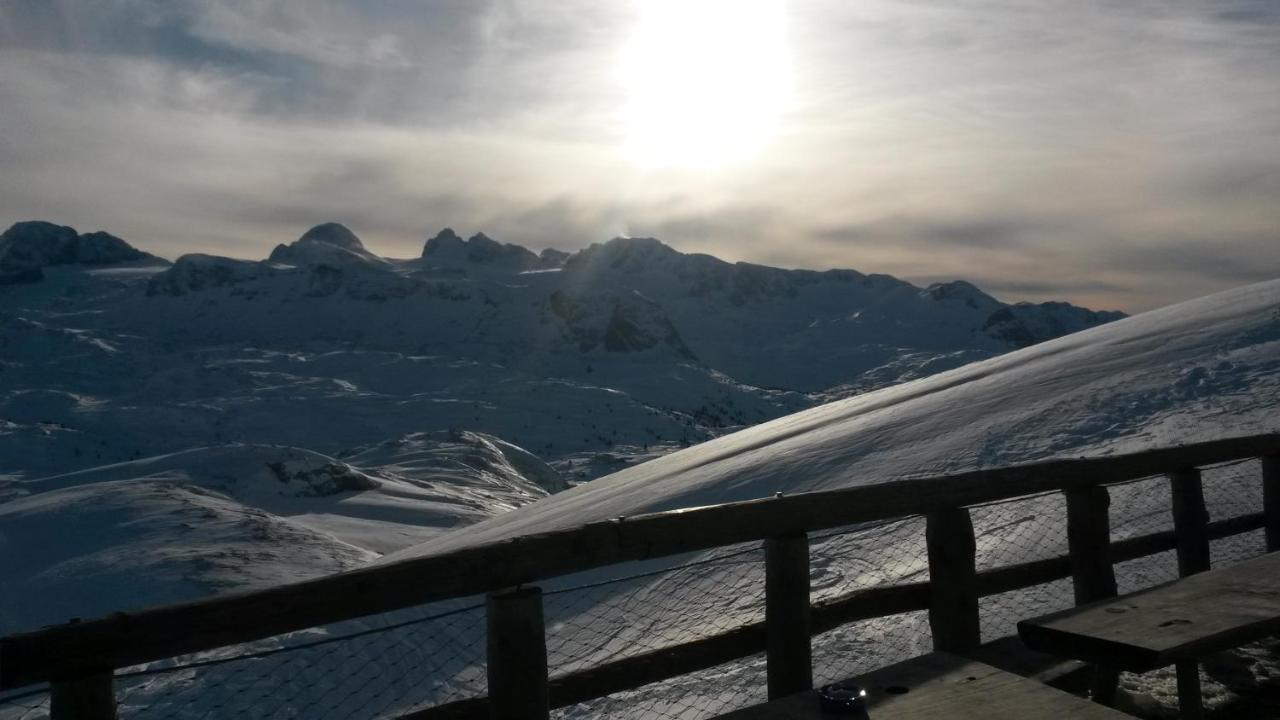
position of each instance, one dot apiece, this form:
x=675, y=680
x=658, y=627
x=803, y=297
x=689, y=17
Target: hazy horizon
x=1118, y=157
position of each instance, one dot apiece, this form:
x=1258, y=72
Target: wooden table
x=1171, y=624
x=941, y=686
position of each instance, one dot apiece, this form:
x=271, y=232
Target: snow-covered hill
x=1194, y=371
x=234, y=517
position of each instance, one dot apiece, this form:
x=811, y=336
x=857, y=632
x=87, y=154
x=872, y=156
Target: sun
x=706, y=81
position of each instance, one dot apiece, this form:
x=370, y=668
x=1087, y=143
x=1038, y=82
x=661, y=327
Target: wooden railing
x=80, y=658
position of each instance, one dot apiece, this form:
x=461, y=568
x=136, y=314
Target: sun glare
x=706, y=80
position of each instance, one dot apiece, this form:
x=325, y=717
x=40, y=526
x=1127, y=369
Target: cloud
x=1124, y=155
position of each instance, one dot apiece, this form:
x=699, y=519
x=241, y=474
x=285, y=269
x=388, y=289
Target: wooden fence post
x=1089, y=544
x=517, y=655
x=1092, y=573
x=91, y=697
x=1271, y=499
x=786, y=612
x=1190, y=521
x=953, y=584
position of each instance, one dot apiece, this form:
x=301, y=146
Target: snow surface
x=207, y=520
x=1193, y=371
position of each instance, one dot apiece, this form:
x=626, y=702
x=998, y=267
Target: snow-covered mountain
x=419, y=395
x=1194, y=371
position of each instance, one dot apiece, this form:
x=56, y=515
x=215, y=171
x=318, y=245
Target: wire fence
x=387, y=665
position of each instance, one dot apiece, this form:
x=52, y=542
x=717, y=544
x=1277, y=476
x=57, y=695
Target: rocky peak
x=553, y=258
x=447, y=248
x=329, y=243
x=332, y=233
x=28, y=246
x=626, y=254
x=959, y=291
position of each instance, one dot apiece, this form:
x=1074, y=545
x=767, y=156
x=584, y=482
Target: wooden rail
x=665, y=663
x=80, y=652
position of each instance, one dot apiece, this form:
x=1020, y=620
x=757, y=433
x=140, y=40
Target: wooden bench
x=941, y=685
x=1172, y=624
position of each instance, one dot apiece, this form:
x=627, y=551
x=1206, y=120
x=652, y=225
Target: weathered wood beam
x=1271, y=499
x=1089, y=544
x=1190, y=521
x=517, y=655
x=654, y=666
x=125, y=639
x=1092, y=573
x=90, y=697
x=953, y=581
x=789, y=656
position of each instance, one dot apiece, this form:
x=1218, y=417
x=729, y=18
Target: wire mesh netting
x=29, y=704
x=859, y=647
x=617, y=618
x=386, y=665
x=1234, y=490
x=701, y=694
x=1018, y=531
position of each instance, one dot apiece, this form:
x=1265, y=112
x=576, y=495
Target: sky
x=1115, y=154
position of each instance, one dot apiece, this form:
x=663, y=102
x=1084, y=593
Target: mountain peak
x=326, y=244
x=447, y=248
x=962, y=292
x=332, y=233
x=28, y=246
x=629, y=254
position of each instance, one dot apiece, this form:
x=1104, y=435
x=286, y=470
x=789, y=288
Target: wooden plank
x=1089, y=544
x=1182, y=620
x=1190, y=521
x=125, y=639
x=942, y=685
x=517, y=655
x=1271, y=499
x=789, y=656
x=91, y=697
x=953, y=605
x=1011, y=655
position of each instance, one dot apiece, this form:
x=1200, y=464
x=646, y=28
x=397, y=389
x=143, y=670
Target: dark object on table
x=843, y=699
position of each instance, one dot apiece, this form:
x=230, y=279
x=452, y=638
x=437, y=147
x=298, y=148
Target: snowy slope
x=1193, y=371
x=236, y=517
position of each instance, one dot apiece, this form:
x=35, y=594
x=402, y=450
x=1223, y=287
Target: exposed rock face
x=448, y=249
x=329, y=479
x=963, y=293
x=27, y=247
x=616, y=324
x=553, y=258
x=1026, y=324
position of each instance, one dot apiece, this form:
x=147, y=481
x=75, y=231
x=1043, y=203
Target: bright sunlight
x=706, y=80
